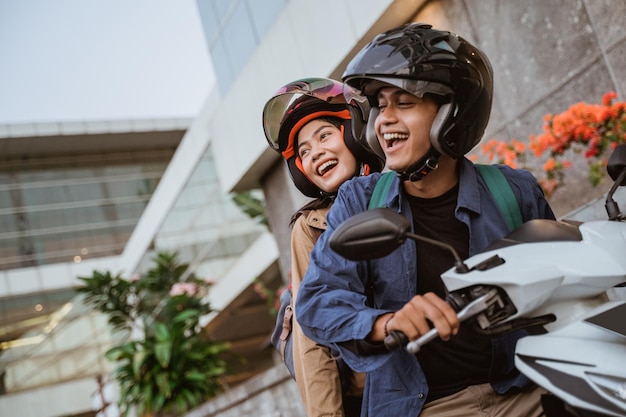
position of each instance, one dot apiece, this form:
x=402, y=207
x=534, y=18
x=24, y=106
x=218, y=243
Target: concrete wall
x=546, y=55
x=271, y=394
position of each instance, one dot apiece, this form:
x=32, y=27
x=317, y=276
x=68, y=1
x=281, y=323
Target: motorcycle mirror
x=370, y=235
x=376, y=233
x=617, y=163
x=616, y=167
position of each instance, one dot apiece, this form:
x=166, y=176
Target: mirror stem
x=461, y=268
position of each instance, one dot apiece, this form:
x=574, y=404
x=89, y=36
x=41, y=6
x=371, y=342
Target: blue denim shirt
x=331, y=305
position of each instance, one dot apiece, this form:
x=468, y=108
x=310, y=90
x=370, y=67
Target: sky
x=78, y=60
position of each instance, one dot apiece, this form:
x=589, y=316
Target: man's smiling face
x=403, y=126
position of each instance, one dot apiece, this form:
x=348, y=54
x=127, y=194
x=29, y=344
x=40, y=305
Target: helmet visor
x=290, y=97
x=371, y=85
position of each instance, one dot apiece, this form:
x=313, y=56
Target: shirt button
x=420, y=395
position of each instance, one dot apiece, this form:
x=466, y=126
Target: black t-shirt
x=463, y=360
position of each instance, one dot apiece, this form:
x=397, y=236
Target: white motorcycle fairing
x=584, y=363
x=573, y=275
x=582, y=358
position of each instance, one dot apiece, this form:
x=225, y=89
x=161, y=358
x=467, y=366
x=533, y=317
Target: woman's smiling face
x=326, y=160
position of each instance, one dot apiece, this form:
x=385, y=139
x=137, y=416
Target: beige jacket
x=316, y=371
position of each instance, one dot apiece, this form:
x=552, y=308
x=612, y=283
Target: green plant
x=253, y=206
x=169, y=366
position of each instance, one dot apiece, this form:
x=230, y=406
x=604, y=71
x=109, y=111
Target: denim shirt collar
x=469, y=192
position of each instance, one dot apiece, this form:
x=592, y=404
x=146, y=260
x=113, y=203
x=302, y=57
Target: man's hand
x=415, y=317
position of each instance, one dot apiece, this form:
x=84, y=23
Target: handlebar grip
x=395, y=340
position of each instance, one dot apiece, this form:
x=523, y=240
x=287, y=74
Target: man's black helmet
x=420, y=59
x=296, y=104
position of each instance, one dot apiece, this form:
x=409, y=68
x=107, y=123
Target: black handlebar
x=396, y=339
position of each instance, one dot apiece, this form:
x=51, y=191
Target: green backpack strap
x=497, y=183
x=377, y=200
x=502, y=193
x=380, y=190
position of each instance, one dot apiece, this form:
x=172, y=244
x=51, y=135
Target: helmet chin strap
x=430, y=161
x=417, y=171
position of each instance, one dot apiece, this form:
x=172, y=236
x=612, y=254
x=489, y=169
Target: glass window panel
x=66, y=205
x=224, y=73
x=8, y=223
x=204, y=172
x=264, y=14
x=239, y=38
x=6, y=198
x=221, y=8
x=208, y=19
x=6, y=178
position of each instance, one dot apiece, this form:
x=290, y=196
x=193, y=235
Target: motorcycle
x=565, y=278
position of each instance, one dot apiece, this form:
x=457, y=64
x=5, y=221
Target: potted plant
x=167, y=366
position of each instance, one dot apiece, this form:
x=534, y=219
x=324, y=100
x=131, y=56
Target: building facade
x=546, y=55
x=71, y=195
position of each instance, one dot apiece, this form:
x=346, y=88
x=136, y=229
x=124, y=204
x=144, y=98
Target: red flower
x=590, y=128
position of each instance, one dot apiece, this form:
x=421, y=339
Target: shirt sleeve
x=331, y=302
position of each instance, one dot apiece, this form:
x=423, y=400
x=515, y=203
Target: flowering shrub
x=272, y=298
x=585, y=128
x=171, y=367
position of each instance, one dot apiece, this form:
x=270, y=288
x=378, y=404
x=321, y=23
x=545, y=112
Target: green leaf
x=163, y=384
x=251, y=205
x=195, y=375
x=191, y=399
x=187, y=314
x=141, y=408
x=137, y=365
x=162, y=332
x=148, y=397
x=159, y=402
x=180, y=404
x=163, y=353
